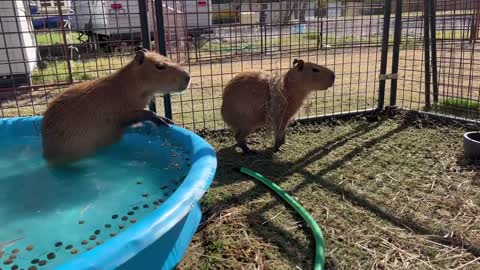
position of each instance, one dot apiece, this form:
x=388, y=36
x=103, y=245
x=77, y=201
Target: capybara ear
x=298, y=63
x=139, y=57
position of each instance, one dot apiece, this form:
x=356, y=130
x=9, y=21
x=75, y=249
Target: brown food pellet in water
x=84, y=242
x=42, y=263
x=33, y=267
x=13, y=257
x=51, y=256
x=29, y=248
x=15, y=267
x=133, y=220
x=131, y=213
x=114, y=216
x=81, y=222
x=146, y=206
x=89, y=248
x=97, y=232
x=35, y=261
x=156, y=203
x=99, y=243
x=108, y=226
x=112, y=234
x=74, y=251
x=145, y=195
x=139, y=183
x=15, y=251
x=68, y=247
x=124, y=218
x=93, y=237
x=58, y=244
x=121, y=227
x=7, y=262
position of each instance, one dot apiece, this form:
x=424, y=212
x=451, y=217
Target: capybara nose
x=333, y=76
x=187, y=79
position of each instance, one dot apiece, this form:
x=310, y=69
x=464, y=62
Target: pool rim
x=117, y=250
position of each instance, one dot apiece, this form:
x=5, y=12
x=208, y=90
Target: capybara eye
x=160, y=66
x=315, y=70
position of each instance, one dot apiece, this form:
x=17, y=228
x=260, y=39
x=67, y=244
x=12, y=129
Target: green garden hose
x=319, y=263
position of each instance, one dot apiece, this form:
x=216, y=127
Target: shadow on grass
x=280, y=171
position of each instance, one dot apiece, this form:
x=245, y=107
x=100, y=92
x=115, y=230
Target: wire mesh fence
x=48, y=45
x=439, y=58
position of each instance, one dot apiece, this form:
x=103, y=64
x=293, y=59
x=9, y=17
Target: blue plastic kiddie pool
x=135, y=205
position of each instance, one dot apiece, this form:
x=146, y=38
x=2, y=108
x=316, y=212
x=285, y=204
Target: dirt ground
x=388, y=194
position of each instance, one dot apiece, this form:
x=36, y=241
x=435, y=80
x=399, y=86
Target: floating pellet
x=97, y=232
x=93, y=237
x=51, y=256
x=135, y=208
x=133, y=220
x=124, y=218
x=121, y=227
x=164, y=187
x=29, y=248
x=156, y=203
x=42, y=262
x=114, y=216
x=108, y=226
x=13, y=257
x=131, y=213
x=33, y=267
x=74, y=251
x=112, y=234
x=15, y=251
x=81, y=222
x=68, y=247
x=145, y=195
x=7, y=262
x=15, y=267
x=84, y=242
x=58, y=244
x=89, y=248
x=139, y=182
x=99, y=243
x=34, y=261
x=146, y=206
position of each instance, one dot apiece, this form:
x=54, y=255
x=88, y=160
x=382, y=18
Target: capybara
x=94, y=114
x=256, y=99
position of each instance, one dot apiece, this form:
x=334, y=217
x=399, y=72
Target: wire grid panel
x=46, y=46
x=453, y=62
x=228, y=37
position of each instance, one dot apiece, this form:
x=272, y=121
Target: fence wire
x=46, y=46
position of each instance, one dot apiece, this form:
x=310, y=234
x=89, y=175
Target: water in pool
x=48, y=215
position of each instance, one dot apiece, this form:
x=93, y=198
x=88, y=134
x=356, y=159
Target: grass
x=391, y=194
x=56, y=37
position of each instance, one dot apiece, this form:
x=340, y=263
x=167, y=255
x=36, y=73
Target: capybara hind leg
x=241, y=138
x=144, y=115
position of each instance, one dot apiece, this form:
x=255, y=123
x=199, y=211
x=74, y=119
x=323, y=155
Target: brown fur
x=94, y=114
x=247, y=97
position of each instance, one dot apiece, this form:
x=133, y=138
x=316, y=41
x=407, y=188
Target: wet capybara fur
x=253, y=100
x=94, y=114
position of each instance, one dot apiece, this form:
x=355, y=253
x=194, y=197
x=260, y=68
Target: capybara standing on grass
x=94, y=114
x=252, y=100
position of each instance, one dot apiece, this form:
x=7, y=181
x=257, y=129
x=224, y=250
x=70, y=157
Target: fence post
x=162, y=49
x=384, y=56
x=433, y=42
x=142, y=7
x=397, y=39
x=426, y=42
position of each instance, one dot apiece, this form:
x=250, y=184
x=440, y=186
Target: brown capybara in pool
x=252, y=100
x=94, y=114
